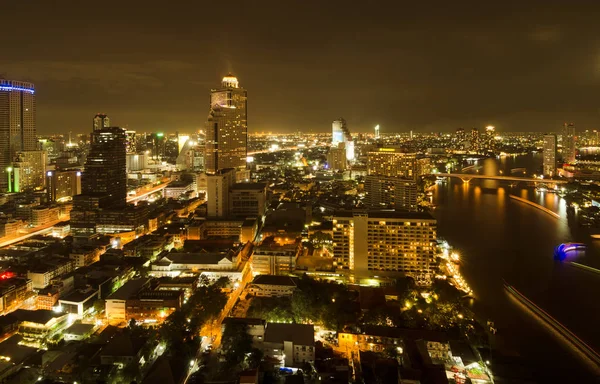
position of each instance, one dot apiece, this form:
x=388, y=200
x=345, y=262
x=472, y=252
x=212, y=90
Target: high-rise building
x=390, y=192
x=227, y=127
x=17, y=123
x=377, y=137
x=341, y=134
x=63, y=184
x=380, y=242
x=569, y=148
x=27, y=172
x=392, y=162
x=217, y=192
x=549, y=155
x=130, y=142
x=105, y=175
x=336, y=157
x=100, y=121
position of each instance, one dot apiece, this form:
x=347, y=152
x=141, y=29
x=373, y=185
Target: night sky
x=434, y=67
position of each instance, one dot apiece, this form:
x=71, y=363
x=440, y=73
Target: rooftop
x=243, y=320
x=40, y=316
x=197, y=258
x=248, y=186
x=80, y=295
x=80, y=329
x=299, y=334
x=384, y=214
x=129, y=289
x=275, y=280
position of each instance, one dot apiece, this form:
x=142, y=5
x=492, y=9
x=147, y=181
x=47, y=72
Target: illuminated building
x=290, y=344
x=549, y=155
x=474, y=140
x=379, y=242
x=17, y=123
x=217, y=192
x=130, y=142
x=392, y=162
x=27, y=172
x=63, y=185
x=336, y=157
x=44, y=215
x=341, y=134
x=377, y=134
x=100, y=121
x=390, y=192
x=227, y=127
x=136, y=162
x=13, y=291
x=569, y=148
x=275, y=259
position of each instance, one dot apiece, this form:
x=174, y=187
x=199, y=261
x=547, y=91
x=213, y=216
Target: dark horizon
x=406, y=67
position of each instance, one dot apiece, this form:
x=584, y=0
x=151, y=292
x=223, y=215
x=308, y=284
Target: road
x=36, y=231
x=143, y=192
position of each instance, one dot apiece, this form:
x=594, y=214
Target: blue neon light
x=561, y=251
x=11, y=88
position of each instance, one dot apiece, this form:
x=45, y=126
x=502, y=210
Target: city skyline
x=442, y=68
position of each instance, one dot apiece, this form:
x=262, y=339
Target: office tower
x=474, y=139
x=390, y=192
x=17, y=123
x=217, y=192
x=227, y=127
x=378, y=242
x=569, y=148
x=392, y=162
x=156, y=144
x=341, y=134
x=130, y=142
x=336, y=157
x=27, y=171
x=100, y=121
x=63, y=184
x=377, y=132
x=549, y=155
x=105, y=173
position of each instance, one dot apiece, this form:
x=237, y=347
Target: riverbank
x=541, y=208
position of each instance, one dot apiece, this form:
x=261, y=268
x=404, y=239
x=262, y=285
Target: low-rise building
x=43, y=215
x=42, y=274
x=275, y=259
x=13, y=292
x=78, y=332
x=248, y=199
x=180, y=188
x=84, y=256
x=153, y=305
x=47, y=298
x=41, y=324
x=292, y=344
x=115, y=306
x=272, y=286
x=175, y=263
x=122, y=350
x=79, y=301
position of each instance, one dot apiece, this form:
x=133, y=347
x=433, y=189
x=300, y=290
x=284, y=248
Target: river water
x=502, y=239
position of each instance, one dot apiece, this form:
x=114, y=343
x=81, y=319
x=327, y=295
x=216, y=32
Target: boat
x=562, y=251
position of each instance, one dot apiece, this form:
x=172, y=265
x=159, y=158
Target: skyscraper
x=549, y=155
x=100, y=121
x=568, y=143
x=392, y=162
x=105, y=174
x=17, y=123
x=341, y=134
x=227, y=127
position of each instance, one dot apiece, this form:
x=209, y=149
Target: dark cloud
x=436, y=66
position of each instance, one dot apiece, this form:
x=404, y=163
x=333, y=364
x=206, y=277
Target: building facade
x=27, y=171
x=217, y=192
x=549, y=161
x=17, y=123
x=390, y=192
x=248, y=199
x=227, y=127
x=63, y=184
x=275, y=259
x=376, y=242
x=392, y=162
x=569, y=148
x=336, y=158
x=341, y=135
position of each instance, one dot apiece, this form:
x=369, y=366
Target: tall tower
x=227, y=127
x=17, y=123
x=568, y=143
x=105, y=175
x=341, y=134
x=377, y=132
x=100, y=121
x=549, y=161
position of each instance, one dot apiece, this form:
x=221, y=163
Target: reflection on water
x=502, y=239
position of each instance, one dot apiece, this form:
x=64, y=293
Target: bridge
x=466, y=177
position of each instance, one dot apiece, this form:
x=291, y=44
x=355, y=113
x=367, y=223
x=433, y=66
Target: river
x=502, y=239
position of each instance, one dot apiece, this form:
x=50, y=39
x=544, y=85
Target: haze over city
x=432, y=67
